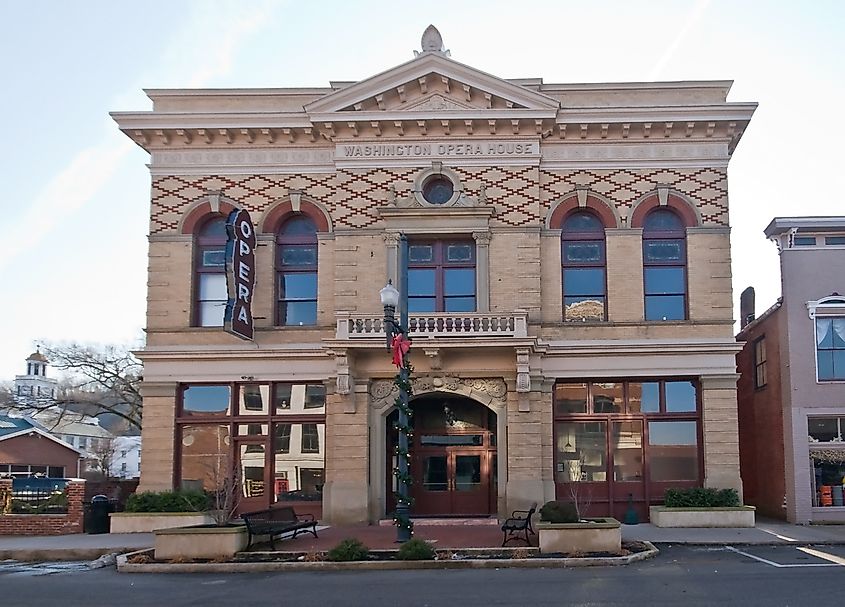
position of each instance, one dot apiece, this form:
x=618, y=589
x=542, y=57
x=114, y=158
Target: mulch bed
x=458, y=554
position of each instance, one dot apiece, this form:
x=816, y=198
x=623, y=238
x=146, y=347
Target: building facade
x=792, y=387
x=569, y=289
x=27, y=449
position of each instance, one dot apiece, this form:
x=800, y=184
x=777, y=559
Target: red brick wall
x=46, y=524
x=761, y=452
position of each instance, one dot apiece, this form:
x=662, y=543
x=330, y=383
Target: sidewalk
x=89, y=547
x=77, y=547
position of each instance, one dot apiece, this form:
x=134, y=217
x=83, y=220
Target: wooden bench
x=518, y=526
x=276, y=521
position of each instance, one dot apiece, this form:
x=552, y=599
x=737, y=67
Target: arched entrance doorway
x=453, y=457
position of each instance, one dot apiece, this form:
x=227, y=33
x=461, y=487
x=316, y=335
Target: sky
x=75, y=198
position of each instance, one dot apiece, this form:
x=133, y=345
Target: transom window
x=664, y=266
x=583, y=260
x=830, y=348
x=296, y=272
x=441, y=276
x=626, y=397
x=210, y=294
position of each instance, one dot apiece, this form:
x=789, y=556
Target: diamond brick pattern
x=512, y=191
x=708, y=188
x=522, y=196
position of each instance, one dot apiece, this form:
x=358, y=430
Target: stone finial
x=432, y=42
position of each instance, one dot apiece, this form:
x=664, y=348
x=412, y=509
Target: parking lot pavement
x=21, y=569
x=793, y=556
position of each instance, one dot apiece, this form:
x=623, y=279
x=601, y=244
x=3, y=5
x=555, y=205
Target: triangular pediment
x=431, y=82
x=436, y=101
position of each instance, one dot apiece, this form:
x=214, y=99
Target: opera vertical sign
x=240, y=273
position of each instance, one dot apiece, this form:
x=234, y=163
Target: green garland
x=403, y=521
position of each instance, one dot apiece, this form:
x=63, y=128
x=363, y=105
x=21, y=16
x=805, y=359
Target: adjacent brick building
x=792, y=384
x=570, y=289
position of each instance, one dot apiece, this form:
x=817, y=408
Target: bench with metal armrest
x=518, y=526
x=277, y=521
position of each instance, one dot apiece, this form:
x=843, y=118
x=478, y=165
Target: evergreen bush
x=699, y=497
x=559, y=512
x=168, y=501
x=349, y=549
x=416, y=549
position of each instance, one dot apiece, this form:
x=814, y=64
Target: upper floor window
x=296, y=272
x=210, y=294
x=830, y=347
x=760, y=376
x=583, y=259
x=441, y=276
x=664, y=266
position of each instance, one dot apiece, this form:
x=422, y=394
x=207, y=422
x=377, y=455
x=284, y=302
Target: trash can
x=100, y=509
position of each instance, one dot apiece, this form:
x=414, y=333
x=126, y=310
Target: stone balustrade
x=437, y=325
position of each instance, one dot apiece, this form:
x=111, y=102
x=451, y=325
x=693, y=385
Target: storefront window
x=580, y=452
x=276, y=447
x=828, y=477
x=206, y=459
x=673, y=450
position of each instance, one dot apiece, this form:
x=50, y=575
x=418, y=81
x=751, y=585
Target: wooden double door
x=453, y=458
x=451, y=481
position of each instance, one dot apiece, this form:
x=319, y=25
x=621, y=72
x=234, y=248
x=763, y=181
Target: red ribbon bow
x=400, y=345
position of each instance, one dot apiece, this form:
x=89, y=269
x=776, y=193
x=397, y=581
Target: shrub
x=168, y=501
x=559, y=512
x=349, y=549
x=698, y=497
x=416, y=549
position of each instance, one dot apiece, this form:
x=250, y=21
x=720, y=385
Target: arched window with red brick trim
x=210, y=295
x=664, y=265
x=296, y=272
x=583, y=262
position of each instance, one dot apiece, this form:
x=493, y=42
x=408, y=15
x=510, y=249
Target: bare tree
x=102, y=458
x=97, y=380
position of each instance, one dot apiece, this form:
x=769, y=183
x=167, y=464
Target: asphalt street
x=764, y=576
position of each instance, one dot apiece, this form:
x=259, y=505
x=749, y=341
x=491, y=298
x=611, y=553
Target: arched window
x=296, y=272
x=210, y=295
x=583, y=261
x=664, y=266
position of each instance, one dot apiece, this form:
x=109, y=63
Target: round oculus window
x=438, y=190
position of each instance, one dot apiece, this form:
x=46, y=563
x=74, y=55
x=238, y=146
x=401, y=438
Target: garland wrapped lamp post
x=396, y=329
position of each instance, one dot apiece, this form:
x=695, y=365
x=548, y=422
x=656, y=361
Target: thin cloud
x=65, y=194
x=692, y=19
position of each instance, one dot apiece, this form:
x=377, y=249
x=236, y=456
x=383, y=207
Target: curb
x=549, y=563
x=61, y=554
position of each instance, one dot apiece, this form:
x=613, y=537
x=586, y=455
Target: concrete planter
x=591, y=535
x=205, y=542
x=147, y=522
x=739, y=516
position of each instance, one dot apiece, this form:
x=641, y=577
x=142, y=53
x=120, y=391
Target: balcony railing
x=442, y=324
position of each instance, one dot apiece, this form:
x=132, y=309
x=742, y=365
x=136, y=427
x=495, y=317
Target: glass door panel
x=470, y=488
x=431, y=491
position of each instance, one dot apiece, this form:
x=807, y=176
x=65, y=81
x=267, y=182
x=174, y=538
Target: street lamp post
x=395, y=303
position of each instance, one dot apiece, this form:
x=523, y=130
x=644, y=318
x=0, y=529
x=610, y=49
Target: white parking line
x=824, y=555
x=781, y=565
